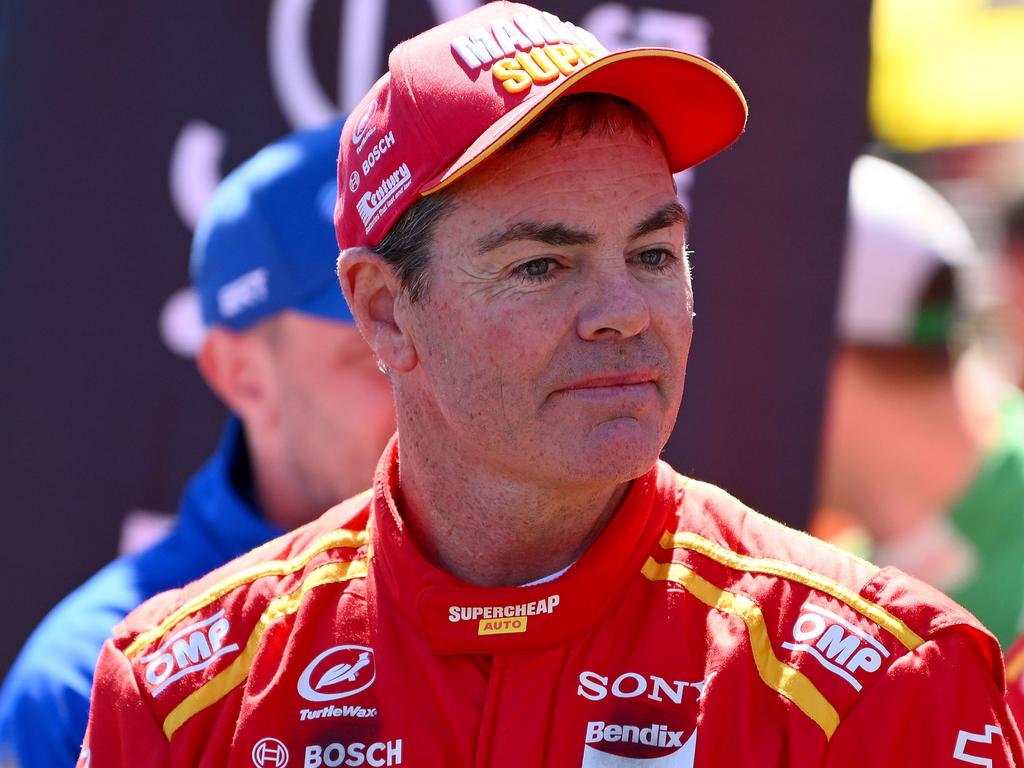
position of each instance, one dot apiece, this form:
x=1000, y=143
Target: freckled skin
x=509, y=469
x=492, y=349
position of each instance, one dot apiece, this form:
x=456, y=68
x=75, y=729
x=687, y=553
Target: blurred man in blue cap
x=310, y=416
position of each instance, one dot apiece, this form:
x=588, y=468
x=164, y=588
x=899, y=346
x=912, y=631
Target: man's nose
x=615, y=305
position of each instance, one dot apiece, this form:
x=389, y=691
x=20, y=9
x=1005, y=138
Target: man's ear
x=235, y=367
x=373, y=292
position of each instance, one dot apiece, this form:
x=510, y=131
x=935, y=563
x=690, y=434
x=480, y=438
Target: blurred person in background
x=1011, y=272
x=917, y=452
x=310, y=414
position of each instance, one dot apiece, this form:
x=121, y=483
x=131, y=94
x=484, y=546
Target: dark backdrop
x=117, y=118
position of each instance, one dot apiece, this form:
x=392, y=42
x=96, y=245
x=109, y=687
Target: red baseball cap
x=460, y=91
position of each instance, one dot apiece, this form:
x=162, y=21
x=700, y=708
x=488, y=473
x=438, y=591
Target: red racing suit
x=693, y=632
x=1015, y=681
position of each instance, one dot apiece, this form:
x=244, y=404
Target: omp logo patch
x=632, y=685
x=503, y=619
x=337, y=673
x=528, y=48
x=372, y=205
x=378, y=754
x=188, y=650
x=837, y=645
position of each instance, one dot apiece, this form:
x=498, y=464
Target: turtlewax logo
x=337, y=673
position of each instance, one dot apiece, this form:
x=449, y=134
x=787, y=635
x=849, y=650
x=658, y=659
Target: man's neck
x=497, y=531
x=276, y=492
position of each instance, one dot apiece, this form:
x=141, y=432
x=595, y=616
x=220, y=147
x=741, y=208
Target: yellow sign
x=502, y=626
x=946, y=72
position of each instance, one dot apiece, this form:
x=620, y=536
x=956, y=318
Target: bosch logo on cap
x=353, y=181
x=360, y=133
x=337, y=673
x=270, y=753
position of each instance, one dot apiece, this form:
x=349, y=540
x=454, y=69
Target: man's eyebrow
x=552, y=234
x=666, y=216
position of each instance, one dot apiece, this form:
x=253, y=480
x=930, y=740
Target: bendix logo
x=337, y=673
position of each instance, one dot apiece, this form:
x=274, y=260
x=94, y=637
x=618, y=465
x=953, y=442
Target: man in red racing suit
x=693, y=632
x=528, y=295
x=1015, y=681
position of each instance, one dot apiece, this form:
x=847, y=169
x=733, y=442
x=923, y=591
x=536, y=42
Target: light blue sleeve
x=44, y=708
x=44, y=701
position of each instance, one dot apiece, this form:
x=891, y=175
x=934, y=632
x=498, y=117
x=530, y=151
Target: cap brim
x=697, y=109
x=328, y=303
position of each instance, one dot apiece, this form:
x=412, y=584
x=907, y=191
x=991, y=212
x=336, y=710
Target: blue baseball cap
x=266, y=241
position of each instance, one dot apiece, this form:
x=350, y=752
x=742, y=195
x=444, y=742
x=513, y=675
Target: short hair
x=407, y=245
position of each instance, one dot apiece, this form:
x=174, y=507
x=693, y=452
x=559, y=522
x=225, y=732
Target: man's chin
x=616, y=453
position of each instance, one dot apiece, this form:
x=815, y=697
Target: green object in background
x=990, y=515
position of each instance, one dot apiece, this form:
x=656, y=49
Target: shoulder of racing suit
x=823, y=625
x=1015, y=680
x=189, y=648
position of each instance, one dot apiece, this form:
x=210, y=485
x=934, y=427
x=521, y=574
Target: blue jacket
x=44, y=702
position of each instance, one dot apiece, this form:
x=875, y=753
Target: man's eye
x=537, y=267
x=656, y=258
x=534, y=269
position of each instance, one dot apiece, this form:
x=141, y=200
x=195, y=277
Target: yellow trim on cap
x=1015, y=666
x=787, y=680
x=568, y=82
x=225, y=681
x=808, y=578
x=339, y=539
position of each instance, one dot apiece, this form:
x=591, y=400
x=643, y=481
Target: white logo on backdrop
x=619, y=26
